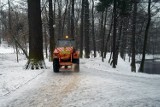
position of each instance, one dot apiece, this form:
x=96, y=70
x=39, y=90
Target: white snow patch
x=4, y=50
x=123, y=67
x=12, y=73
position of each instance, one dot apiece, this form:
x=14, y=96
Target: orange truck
x=65, y=56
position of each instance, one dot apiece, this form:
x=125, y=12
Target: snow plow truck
x=65, y=56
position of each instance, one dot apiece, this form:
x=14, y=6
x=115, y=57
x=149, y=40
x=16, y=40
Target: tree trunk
x=114, y=33
x=108, y=38
x=109, y=61
x=51, y=30
x=134, y=17
x=17, y=52
x=82, y=29
x=59, y=19
x=69, y=20
x=46, y=41
x=124, y=39
x=16, y=34
x=119, y=38
x=9, y=21
x=103, y=34
x=87, y=51
x=72, y=20
x=141, y=69
x=93, y=34
x=36, y=59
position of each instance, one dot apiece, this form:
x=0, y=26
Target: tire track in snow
x=66, y=89
x=9, y=92
x=52, y=92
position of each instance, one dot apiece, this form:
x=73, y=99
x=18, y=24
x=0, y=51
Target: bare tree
x=101, y=31
x=82, y=29
x=108, y=37
x=51, y=29
x=103, y=35
x=114, y=33
x=86, y=31
x=134, y=17
x=93, y=34
x=36, y=59
x=141, y=69
x=72, y=20
x=59, y=2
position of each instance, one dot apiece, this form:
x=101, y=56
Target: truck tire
x=76, y=61
x=56, y=65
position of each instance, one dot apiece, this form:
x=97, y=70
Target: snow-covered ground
x=96, y=85
x=12, y=74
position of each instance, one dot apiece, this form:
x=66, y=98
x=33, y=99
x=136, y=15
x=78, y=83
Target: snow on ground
x=5, y=49
x=12, y=74
x=96, y=85
x=123, y=67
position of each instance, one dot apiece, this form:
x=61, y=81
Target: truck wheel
x=56, y=65
x=76, y=61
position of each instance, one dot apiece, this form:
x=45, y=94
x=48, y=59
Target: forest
x=80, y=53
x=117, y=27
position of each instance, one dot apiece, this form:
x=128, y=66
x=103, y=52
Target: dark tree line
x=126, y=28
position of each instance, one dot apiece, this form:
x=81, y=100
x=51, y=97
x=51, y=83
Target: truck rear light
x=56, y=54
x=75, y=54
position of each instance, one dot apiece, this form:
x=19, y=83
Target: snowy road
x=88, y=88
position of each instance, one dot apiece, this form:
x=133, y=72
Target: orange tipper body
x=65, y=55
x=63, y=52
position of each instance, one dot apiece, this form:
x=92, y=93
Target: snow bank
x=123, y=67
x=4, y=50
x=12, y=73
